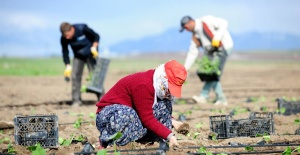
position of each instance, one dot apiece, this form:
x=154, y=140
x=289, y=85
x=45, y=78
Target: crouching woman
x=140, y=105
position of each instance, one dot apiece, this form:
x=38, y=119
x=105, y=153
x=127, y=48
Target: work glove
x=215, y=43
x=94, y=52
x=67, y=73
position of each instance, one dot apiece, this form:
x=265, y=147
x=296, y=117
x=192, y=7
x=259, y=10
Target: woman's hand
x=176, y=124
x=173, y=142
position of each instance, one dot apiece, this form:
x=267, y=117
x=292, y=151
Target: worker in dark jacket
x=84, y=43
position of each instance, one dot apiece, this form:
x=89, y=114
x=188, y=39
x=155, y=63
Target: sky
x=37, y=22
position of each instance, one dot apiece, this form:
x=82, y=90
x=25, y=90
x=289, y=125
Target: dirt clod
x=183, y=129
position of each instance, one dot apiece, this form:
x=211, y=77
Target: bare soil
x=44, y=95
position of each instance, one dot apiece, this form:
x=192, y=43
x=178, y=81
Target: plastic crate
x=292, y=107
x=33, y=129
x=99, y=73
x=257, y=123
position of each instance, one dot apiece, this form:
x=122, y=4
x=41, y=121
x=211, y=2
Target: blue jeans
x=216, y=85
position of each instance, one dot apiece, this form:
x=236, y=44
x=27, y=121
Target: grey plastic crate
x=257, y=123
x=99, y=73
x=33, y=129
x=292, y=107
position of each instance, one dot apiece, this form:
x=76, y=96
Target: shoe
x=199, y=99
x=76, y=104
x=219, y=102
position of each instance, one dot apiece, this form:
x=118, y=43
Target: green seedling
x=37, y=149
x=196, y=135
x=114, y=137
x=267, y=138
x=80, y=138
x=92, y=115
x=83, y=88
x=203, y=150
x=4, y=139
x=1, y=131
x=262, y=99
x=10, y=148
x=77, y=123
x=287, y=151
x=198, y=125
x=284, y=97
x=76, y=114
x=252, y=99
x=297, y=121
x=217, y=111
x=294, y=99
x=261, y=135
x=249, y=148
x=65, y=142
x=189, y=112
x=102, y=152
x=32, y=110
x=222, y=111
x=89, y=78
x=181, y=102
x=297, y=149
x=239, y=110
x=214, y=137
x=264, y=108
x=281, y=110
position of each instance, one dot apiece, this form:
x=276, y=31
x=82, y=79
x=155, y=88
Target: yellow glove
x=94, y=51
x=215, y=43
x=67, y=72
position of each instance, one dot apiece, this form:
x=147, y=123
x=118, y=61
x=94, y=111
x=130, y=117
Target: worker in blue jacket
x=84, y=42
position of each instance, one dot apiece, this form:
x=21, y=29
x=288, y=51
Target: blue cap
x=185, y=20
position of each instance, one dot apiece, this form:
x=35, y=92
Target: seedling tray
x=257, y=123
x=33, y=129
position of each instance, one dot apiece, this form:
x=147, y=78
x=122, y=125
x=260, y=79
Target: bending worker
x=140, y=105
x=211, y=34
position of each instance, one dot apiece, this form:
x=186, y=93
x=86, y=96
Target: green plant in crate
x=207, y=66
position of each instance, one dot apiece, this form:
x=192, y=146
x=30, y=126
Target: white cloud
x=22, y=21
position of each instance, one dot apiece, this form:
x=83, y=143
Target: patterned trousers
x=120, y=118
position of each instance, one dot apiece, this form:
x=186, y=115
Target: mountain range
x=172, y=41
x=46, y=43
